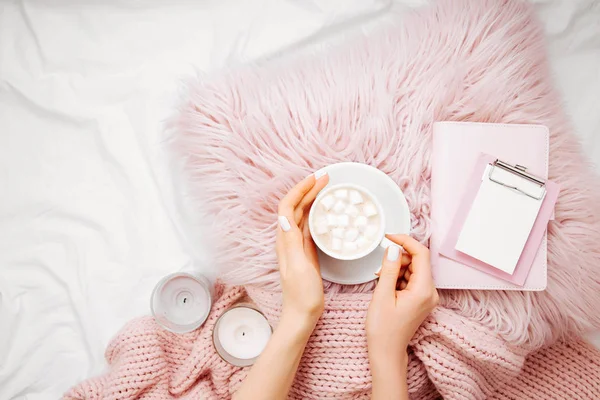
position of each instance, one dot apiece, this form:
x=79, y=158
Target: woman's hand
x=395, y=315
x=301, y=282
x=274, y=371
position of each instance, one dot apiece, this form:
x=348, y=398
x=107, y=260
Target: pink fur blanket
x=248, y=136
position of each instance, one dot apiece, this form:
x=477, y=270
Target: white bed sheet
x=89, y=221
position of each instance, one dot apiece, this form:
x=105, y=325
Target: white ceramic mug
x=380, y=239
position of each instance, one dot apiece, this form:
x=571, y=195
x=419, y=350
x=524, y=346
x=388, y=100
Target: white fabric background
x=89, y=220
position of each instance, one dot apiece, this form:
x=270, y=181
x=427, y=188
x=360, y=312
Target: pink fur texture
x=246, y=138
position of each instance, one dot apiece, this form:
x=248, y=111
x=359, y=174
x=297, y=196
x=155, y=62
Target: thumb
x=289, y=233
x=289, y=238
x=390, y=269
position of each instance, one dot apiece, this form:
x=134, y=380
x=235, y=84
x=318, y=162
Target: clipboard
x=529, y=186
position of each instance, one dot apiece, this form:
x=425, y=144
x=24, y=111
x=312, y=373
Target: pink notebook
x=457, y=147
x=537, y=234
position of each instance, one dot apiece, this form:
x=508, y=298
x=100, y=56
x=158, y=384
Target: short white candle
x=181, y=302
x=242, y=333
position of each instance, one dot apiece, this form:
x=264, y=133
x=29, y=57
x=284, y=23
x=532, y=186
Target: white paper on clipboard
x=500, y=220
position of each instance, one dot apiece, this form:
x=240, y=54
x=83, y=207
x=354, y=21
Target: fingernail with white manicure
x=284, y=223
x=320, y=173
x=393, y=252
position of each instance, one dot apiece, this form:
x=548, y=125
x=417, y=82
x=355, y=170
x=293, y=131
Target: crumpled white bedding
x=89, y=220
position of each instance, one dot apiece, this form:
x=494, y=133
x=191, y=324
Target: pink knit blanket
x=451, y=356
x=244, y=139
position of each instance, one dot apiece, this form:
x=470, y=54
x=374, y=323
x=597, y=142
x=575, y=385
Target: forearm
x=389, y=377
x=273, y=373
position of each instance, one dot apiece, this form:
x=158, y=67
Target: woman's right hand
x=395, y=315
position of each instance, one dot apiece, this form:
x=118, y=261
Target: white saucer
x=397, y=220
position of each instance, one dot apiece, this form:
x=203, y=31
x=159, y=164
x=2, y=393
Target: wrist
x=388, y=363
x=382, y=345
x=297, y=325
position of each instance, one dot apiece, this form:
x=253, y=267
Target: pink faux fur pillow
x=247, y=137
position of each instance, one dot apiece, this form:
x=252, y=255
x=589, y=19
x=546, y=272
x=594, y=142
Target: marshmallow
x=343, y=220
x=361, y=241
x=338, y=233
x=321, y=227
x=352, y=211
x=351, y=246
x=336, y=244
x=331, y=220
x=339, y=207
x=361, y=222
x=351, y=234
x=355, y=197
x=370, y=209
x=327, y=202
x=371, y=231
x=341, y=193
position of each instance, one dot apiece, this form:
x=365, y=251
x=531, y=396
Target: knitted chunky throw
x=450, y=356
x=246, y=138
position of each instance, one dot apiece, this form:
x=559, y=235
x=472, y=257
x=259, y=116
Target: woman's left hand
x=303, y=299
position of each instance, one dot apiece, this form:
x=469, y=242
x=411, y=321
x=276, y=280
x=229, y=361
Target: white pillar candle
x=240, y=335
x=181, y=302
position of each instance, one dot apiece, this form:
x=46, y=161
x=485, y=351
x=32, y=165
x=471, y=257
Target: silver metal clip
x=520, y=171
